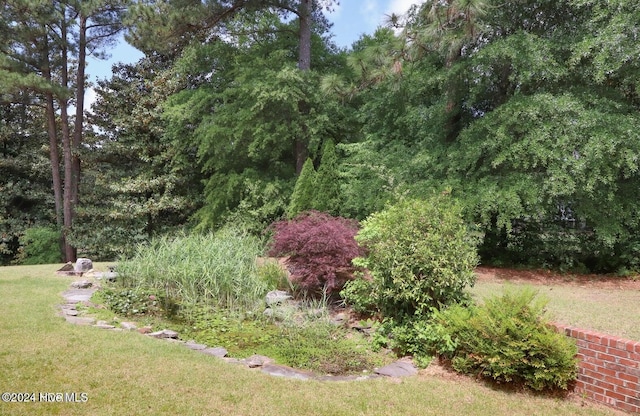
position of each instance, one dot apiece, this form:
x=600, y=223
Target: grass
x=612, y=311
x=215, y=268
x=127, y=373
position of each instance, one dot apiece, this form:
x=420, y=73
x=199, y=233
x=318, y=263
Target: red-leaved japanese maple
x=319, y=249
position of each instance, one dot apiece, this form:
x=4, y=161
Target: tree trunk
x=67, y=203
x=52, y=132
x=54, y=156
x=304, y=35
x=304, y=64
x=79, y=121
x=453, y=106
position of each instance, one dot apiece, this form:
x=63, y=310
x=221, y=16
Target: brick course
x=608, y=369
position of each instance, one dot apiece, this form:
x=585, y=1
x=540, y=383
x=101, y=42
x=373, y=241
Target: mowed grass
x=125, y=373
x=611, y=311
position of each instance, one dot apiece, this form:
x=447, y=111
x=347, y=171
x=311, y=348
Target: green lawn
x=125, y=373
x=612, y=311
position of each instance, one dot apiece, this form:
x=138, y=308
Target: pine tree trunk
x=79, y=121
x=67, y=202
x=304, y=64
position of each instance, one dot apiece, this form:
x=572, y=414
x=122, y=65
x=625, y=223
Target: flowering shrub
x=319, y=249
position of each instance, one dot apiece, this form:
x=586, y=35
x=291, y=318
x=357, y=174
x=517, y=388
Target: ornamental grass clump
x=215, y=269
x=319, y=248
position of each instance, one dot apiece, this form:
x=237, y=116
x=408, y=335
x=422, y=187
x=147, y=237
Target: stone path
x=81, y=292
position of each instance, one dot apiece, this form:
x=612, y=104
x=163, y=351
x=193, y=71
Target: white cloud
x=89, y=98
x=370, y=13
x=400, y=7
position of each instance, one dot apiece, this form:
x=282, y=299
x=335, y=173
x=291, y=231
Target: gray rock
x=129, y=326
x=288, y=372
x=104, y=325
x=70, y=312
x=257, y=361
x=78, y=320
x=78, y=295
x=83, y=265
x=347, y=378
x=398, y=369
x=81, y=284
x=216, y=352
x=339, y=319
x=276, y=297
x=194, y=346
x=165, y=333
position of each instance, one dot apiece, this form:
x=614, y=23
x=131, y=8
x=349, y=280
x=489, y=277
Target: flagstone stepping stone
x=80, y=320
x=81, y=284
x=288, y=372
x=165, y=333
x=104, y=325
x=398, y=369
x=129, y=326
x=347, y=378
x=257, y=361
x=216, y=352
x=78, y=295
x=195, y=346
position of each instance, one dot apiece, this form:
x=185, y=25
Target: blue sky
x=351, y=19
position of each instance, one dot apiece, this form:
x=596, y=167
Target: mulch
x=547, y=277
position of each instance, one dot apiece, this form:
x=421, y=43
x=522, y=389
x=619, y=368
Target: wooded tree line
x=526, y=111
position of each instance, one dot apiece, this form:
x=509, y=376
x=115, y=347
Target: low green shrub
x=360, y=295
x=241, y=334
x=132, y=302
x=507, y=340
x=417, y=338
x=39, y=245
x=325, y=348
x=420, y=255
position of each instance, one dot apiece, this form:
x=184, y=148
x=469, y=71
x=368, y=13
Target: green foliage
x=139, y=181
x=327, y=183
x=40, y=245
x=545, y=173
x=132, y=302
x=325, y=348
x=507, y=340
x=360, y=294
x=216, y=269
x=413, y=337
x=275, y=276
x=420, y=255
x=304, y=193
x=241, y=334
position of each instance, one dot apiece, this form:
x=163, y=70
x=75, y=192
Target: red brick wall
x=609, y=368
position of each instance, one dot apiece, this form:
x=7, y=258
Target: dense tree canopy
x=527, y=112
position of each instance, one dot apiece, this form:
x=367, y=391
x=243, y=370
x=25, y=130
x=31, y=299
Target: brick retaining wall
x=609, y=368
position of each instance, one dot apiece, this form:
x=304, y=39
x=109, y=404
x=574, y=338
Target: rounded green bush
x=421, y=256
x=40, y=245
x=506, y=339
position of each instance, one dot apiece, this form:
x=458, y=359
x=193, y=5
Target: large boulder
x=83, y=265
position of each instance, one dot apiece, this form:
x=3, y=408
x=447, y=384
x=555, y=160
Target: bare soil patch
x=546, y=277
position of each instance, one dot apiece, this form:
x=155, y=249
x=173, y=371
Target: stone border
x=82, y=291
